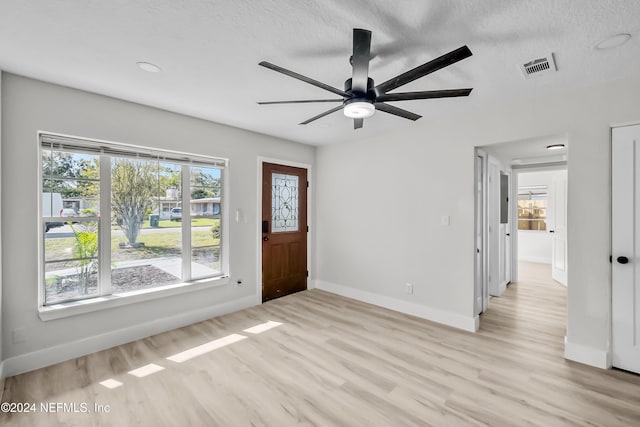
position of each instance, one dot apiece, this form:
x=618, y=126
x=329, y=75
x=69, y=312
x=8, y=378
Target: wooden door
x=284, y=230
x=625, y=241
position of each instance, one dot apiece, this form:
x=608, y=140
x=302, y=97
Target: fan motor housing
x=370, y=95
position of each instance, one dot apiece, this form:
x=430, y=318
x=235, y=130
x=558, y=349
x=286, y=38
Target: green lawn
x=167, y=223
x=156, y=244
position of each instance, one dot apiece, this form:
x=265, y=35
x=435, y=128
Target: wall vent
x=538, y=67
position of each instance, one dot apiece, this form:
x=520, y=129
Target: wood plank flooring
x=339, y=362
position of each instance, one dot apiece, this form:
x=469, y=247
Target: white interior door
x=625, y=238
x=479, y=219
x=505, y=230
x=481, y=295
x=494, y=232
x=558, y=227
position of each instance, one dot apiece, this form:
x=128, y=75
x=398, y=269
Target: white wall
x=1, y=244
x=373, y=255
x=29, y=106
x=535, y=246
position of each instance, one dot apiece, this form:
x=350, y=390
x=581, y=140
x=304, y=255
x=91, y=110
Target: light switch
x=445, y=220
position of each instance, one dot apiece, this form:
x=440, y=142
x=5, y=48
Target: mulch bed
x=122, y=279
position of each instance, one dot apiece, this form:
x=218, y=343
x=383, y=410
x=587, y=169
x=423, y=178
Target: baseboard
x=587, y=355
x=429, y=313
x=537, y=260
x=59, y=353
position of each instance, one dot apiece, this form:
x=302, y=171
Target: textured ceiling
x=209, y=50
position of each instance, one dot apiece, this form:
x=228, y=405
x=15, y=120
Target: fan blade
x=304, y=78
x=360, y=60
x=407, y=96
x=396, y=111
x=326, y=113
x=303, y=101
x=424, y=69
x=358, y=123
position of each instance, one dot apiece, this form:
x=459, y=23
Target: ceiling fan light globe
x=359, y=110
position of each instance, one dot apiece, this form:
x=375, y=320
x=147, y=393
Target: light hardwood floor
x=339, y=362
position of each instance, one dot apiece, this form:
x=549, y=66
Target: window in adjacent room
x=532, y=208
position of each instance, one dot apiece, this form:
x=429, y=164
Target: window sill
x=68, y=309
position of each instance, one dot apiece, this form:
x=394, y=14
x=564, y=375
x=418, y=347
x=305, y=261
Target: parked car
x=176, y=214
x=51, y=202
x=68, y=212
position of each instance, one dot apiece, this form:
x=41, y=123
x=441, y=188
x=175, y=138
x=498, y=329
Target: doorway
x=498, y=167
x=284, y=230
x=542, y=220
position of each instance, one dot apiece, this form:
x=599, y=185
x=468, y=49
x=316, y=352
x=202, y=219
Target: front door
x=284, y=230
x=625, y=240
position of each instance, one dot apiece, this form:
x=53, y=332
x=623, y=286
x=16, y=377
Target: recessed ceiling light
x=613, y=41
x=555, y=147
x=148, y=66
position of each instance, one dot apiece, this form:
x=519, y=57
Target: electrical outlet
x=19, y=335
x=408, y=288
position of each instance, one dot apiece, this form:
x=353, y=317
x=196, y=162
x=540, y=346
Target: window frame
x=105, y=298
x=532, y=194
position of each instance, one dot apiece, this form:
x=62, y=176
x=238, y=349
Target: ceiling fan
x=360, y=98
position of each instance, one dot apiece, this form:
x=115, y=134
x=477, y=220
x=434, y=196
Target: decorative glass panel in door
x=284, y=202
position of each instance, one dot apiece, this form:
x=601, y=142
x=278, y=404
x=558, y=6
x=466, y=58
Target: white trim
x=587, y=355
x=73, y=308
x=624, y=124
x=104, y=234
x=448, y=318
x=134, y=150
x=71, y=350
x=308, y=167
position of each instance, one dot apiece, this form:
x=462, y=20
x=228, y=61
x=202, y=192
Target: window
x=113, y=218
x=532, y=208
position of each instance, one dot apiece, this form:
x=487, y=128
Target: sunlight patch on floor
x=145, y=370
x=205, y=348
x=258, y=329
x=110, y=383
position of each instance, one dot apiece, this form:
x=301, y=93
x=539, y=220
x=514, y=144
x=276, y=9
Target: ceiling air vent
x=538, y=67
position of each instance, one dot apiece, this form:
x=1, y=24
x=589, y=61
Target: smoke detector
x=538, y=67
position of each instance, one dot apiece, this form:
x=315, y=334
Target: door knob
x=622, y=260
x=265, y=239
x=551, y=231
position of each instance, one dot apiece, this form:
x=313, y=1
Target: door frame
x=516, y=171
x=614, y=359
x=486, y=259
x=481, y=286
x=258, y=221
